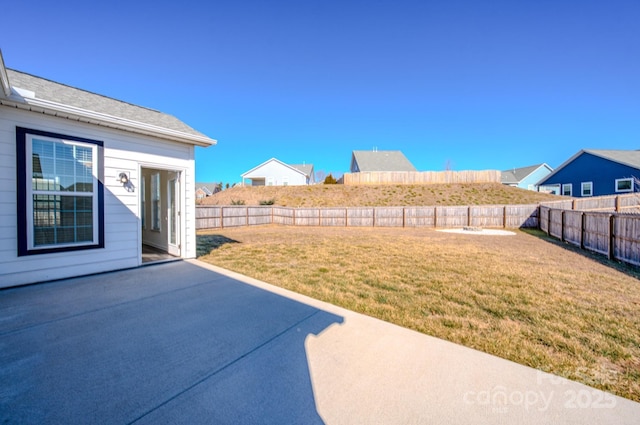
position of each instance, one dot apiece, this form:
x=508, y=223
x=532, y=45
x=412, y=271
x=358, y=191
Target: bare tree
x=448, y=165
x=320, y=176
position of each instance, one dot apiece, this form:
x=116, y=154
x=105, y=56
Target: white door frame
x=174, y=213
x=181, y=205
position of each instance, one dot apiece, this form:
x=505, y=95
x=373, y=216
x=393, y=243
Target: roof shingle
x=67, y=95
x=380, y=161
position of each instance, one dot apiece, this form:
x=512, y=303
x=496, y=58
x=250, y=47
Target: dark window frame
x=22, y=181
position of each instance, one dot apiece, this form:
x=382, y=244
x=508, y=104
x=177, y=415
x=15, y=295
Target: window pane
x=624, y=184
x=62, y=219
x=62, y=193
x=155, y=201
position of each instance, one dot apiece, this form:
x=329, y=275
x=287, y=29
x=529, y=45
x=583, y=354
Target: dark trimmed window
x=60, y=192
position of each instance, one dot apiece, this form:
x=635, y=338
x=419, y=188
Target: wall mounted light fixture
x=125, y=179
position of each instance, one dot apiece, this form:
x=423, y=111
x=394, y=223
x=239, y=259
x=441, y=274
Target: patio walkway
x=185, y=342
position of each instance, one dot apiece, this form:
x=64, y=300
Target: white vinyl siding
x=123, y=152
x=275, y=173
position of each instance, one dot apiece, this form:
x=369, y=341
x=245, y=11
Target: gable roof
x=208, y=188
x=630, y=158
x=516, y=175
x=307, y=169
x=26, y=91
x=381, y=161
x=279, y=162
x=626, y=157
x=204, y=189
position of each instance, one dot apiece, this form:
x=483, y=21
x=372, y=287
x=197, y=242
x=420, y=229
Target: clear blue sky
x=478, y=84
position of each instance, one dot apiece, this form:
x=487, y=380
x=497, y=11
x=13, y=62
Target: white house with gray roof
x=274, y=172
x=90, y=183
x=375, y=160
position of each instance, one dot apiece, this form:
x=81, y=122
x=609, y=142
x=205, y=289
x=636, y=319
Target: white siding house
x=276, y=173
x=88, y=180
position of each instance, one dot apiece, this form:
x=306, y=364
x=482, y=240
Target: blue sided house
x=596, y=173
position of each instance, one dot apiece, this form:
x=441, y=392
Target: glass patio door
x=173, y=213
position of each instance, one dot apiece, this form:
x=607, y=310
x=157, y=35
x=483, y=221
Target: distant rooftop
x=626, y=157
x=305, y=168
x=516, y=175
x=380, y=161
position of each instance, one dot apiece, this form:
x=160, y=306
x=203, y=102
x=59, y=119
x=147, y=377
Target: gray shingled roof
x=305, y=168
x=381, y=161
x=67, y=95
x=626, y=157
x=516, y=175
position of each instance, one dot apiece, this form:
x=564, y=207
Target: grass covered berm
x=337, y=195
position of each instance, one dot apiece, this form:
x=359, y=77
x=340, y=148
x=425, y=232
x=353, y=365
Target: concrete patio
x=185, y=342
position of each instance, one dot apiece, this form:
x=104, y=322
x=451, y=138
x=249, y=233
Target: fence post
x=346, y=217
x=469, y=216
x=504, y=217
x=435, y=217
x=562, y=226
x=548, y=221
x=374, y=216
x=583, y=220
x=319, y=217
x=618, y=208
x=612, y=251
x=294, y=216
x=222, y=217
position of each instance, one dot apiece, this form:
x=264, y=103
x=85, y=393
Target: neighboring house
x=595, y=173
x=526, y=177
x=276, y=173
x=202, y=192
x=207, y=189
x=88, y=180
x=376, y=160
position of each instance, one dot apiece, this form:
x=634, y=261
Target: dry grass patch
x=384, y=195
x=518, y=297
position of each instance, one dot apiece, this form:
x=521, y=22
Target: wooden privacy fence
x=615, y=235
x=421, y=177
x=629, y=203
x=511, y=216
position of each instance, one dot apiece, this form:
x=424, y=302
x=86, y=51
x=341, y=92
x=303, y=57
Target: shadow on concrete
x=172, y=343
x=207, y=243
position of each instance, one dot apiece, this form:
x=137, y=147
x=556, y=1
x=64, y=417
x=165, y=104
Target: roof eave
x=83, y=115
x=4, y=78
